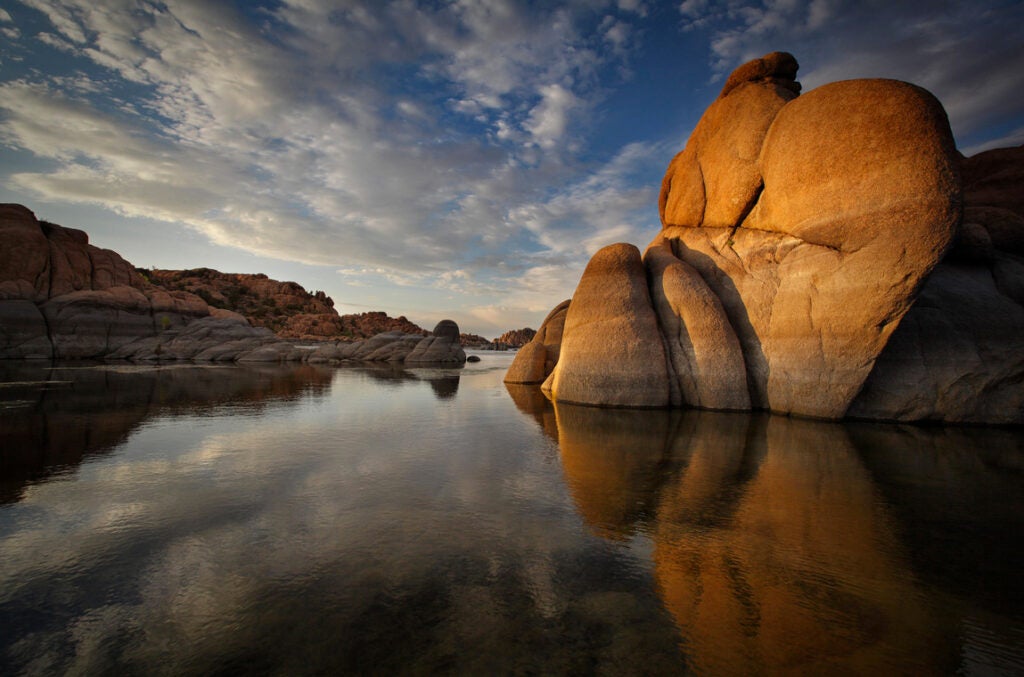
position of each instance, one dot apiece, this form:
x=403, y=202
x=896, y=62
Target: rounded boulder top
x=777, y=67
x=447, y=329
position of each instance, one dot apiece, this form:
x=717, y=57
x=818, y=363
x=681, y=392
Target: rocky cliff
x=63, y=298
x=517, y=338
x=828, y=254
x=285, y=308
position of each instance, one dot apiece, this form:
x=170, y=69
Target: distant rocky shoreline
x=63, y=298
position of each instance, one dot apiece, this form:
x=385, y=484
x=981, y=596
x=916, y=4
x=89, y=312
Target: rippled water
x=205, y=520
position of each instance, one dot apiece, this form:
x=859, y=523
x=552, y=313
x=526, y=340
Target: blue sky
x=458, y=158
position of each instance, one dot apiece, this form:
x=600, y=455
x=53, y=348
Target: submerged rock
x=812, y=260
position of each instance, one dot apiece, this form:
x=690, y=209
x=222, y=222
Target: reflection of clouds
x=320, y=529
x=381, y=526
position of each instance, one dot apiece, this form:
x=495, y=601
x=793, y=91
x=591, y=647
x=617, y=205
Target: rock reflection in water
x=53, y=416
x=777, y=549
x=444, y=381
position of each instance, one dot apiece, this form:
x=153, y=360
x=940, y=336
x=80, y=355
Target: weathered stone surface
x=395, y=347
x=516, y=338
x=86, y=324
x=871, y=194
x=24, y=256
x=715, y=179
x=23, y=333
x=446, y=329
x=537, y=359
x=994, y=178
x=611, y=352
x=857, y=203
x=271, y=352
x=325, y=353
x=61, y=297
x=797, y=234
x=957, y=356
x=528, y=364
x=705, y=354
x=441, y=347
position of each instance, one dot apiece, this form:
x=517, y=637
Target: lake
x=197, y=520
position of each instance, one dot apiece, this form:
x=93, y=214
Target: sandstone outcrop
x=812, y=261
x=62, y=298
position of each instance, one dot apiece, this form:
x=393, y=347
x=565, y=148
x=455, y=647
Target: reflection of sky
x=373, y=525
x=333, y=521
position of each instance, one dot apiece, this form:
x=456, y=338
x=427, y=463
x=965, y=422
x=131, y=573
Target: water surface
x=202, y=520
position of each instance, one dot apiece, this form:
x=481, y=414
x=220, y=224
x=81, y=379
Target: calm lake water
x=196, y=520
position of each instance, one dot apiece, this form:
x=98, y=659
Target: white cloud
x=548, y=121
x=286, y=148
x=66, y=19
x=693, y=8
x=56, y=42
x=637, y=6
x=5, y=17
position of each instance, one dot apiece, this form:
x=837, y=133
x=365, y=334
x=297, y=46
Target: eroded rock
x=537, y=358
x=798, y=232
x=611, y=351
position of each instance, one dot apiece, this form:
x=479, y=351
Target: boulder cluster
x=63, y=298
x=828, y=254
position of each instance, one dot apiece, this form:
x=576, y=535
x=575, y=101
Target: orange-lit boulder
x=611, y=352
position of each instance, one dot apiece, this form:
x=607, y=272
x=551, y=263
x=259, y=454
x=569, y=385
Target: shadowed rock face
x=798, y=231
x=537, y=358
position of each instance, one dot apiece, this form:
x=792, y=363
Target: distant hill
x=473, y=341
x=285, y=308
x=517, y=337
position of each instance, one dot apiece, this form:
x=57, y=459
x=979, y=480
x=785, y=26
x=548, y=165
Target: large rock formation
x=62, y=298
x=799, y=232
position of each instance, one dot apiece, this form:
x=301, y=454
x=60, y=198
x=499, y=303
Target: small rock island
x=828, y=254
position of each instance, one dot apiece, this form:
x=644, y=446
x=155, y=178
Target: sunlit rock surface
x=820, y=255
